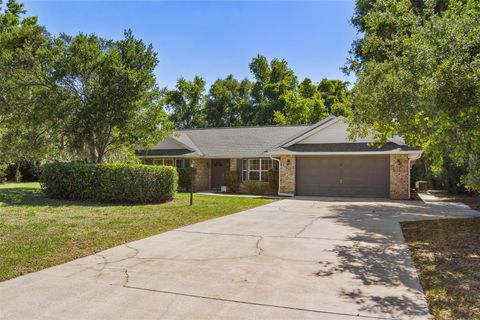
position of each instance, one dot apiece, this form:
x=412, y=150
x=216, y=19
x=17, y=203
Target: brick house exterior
x=316, y=160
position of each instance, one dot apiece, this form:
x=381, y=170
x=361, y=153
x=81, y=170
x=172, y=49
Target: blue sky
x=215, y=38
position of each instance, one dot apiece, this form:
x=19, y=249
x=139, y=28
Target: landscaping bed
x=37, y=232
x=447, y=257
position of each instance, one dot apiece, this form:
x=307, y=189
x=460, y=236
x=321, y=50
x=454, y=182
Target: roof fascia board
x=413, y=152
x=186, y=156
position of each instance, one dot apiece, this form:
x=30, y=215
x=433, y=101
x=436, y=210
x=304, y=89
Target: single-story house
x=313, y=160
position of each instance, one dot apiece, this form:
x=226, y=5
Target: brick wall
x=399, y=177
x=202, y=178
x=287, y=174
x=233, y=164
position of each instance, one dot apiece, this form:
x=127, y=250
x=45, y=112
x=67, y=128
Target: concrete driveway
x=303, y=258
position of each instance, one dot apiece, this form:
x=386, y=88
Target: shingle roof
x=239, y=142
x=186, y=141
x=245, y=142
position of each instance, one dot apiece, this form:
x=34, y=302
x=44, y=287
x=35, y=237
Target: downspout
x=278, y=160
x=409, y=182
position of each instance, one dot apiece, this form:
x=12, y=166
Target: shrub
x=29, y=171
x=273, y=180
x=3, y=173
x=257, y=187
x=185, y=176
x=232, y=181
x=109, y=182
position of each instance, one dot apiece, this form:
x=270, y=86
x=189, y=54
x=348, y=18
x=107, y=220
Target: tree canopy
x=417, y=68
x=273, y=97
x=27, y=89
x=228, y=102
x=109, y=96
x=186, y=103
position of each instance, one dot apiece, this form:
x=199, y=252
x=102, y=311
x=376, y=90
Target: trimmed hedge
x=109, y=182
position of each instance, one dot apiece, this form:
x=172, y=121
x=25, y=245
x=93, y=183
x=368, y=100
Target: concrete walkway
x=304, y=258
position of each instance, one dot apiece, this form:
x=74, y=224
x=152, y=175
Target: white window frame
x=246, y=170
x=172, y=162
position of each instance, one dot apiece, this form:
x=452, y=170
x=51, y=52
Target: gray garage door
x=348, y=176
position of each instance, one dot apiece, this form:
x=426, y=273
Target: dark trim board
x=163, y=152
x=348, y=147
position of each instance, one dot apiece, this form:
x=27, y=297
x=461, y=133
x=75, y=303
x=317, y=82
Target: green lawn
x=447, y=257
x=37, y=232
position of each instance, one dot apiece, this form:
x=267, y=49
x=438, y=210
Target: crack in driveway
x=257, y=245
x=305, y=227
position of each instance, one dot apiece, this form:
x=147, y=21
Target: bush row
x=109, y=182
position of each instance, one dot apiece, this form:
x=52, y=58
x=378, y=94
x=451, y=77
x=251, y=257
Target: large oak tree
x=109, y=97
x=418, y=71
x=27, y=88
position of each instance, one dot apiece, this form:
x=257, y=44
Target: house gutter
x=411, y=160
x=414, y=153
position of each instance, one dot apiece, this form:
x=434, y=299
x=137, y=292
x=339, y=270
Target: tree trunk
x=92, y=150
x=100, y=155
x=18, y=175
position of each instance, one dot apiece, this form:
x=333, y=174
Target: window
x=179, y=163
x=257, y=169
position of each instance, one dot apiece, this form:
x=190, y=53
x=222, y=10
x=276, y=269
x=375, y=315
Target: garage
x=345, y=176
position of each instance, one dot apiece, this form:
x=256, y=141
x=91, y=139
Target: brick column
x=202, y=178
x=233, y=164
x=399, y=177
x=287, y=175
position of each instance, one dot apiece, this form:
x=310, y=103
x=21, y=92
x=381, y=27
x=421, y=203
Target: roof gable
x=335, y=132
x=302, y=133
x=331, y=130
x=171, y=143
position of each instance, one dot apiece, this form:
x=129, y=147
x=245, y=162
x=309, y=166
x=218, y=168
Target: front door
x=219, y=168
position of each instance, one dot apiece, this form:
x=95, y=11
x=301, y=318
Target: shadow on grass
x=447, y=256
x=24, y=196
x=28, y=196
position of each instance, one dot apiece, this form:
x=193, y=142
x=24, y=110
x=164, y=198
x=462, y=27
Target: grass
x=447, y=257
x=37, y=232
